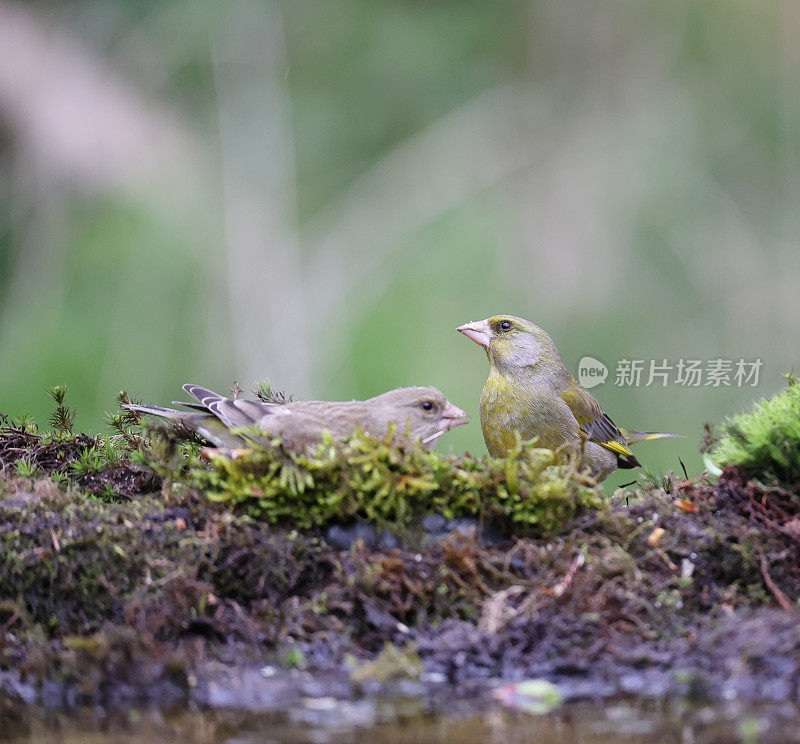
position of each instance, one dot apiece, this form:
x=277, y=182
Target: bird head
x=421, y=412
x=511, y=342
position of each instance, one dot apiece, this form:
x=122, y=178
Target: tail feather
x=167, y=413
x=632, y=436
x=628, y=462
x=207, y=425
x=193, y=406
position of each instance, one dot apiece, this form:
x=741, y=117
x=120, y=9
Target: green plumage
x=530, y=391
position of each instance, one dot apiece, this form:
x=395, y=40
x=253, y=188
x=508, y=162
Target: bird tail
x=167, y=413
x=207, y=425
x=631, y=436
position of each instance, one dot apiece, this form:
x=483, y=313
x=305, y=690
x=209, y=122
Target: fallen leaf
x=655, y=537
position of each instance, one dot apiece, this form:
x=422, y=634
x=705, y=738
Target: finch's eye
x=505, y=325
x=427, y=405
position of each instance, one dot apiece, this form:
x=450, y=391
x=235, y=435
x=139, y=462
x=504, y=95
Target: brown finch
x=420, y=414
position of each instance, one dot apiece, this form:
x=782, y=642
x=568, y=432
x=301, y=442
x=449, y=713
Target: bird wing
x=594, y=423
x=240, y=413
x=203, y=395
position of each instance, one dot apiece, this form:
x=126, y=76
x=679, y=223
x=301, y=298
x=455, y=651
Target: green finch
x=530, y=391
x=420, y=413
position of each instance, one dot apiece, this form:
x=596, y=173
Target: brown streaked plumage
x=420, y=413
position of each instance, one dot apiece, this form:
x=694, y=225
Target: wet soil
x=158, y=596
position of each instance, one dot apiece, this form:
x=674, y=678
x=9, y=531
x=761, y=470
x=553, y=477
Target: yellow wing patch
x=594, y=423
x=616, y=447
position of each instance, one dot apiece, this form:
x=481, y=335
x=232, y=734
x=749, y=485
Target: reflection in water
x=380, y=722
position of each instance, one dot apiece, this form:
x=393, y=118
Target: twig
x=780, y=597
x=563, y=585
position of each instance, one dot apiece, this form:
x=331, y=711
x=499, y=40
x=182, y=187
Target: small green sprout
x=62, y=419
x=89, y=461
x=107, y=493
x=25, y=467
x=264, y=392
x=25, y=423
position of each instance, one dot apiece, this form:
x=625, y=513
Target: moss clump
x=108, y=467
x=765, y=443
x=391, y=663
x=532, y=490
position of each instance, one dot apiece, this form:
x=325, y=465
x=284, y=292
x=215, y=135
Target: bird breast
x=531, y=409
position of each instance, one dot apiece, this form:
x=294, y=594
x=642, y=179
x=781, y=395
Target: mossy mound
x=765, y=442
x=95, y=592
x=533, y=491
x=225, y=563
x=70, y=563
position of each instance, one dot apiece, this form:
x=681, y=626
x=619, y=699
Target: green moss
x=533, y=490
x=391, y=663
x=67, y=458
x=765, y=442
x=89, y=580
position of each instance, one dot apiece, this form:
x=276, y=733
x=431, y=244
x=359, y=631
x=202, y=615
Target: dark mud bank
x=156, y=598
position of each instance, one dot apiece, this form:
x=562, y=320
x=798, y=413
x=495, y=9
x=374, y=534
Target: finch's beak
x=479, y=332
x=453, y=416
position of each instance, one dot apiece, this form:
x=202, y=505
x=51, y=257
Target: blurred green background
x=318, y=193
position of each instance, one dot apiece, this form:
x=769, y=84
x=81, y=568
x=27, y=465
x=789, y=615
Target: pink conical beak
x=453, y=416
x=478, y=331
